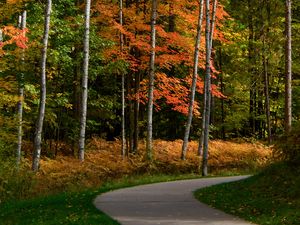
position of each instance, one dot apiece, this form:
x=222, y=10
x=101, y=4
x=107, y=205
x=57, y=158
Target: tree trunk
x=151, y=81
x=22, y=25
x=208, y=37
x=267, y=100
x=123, y=148
x=266, y=79
x=212, y=25
x=136, y=113
x=222, y=91
x=250, y=69
x=84, y=81
x=194, y=82
x=130, y=113
x=288, y=66
x=171, y=17
x=211, y=34
x=41, y=115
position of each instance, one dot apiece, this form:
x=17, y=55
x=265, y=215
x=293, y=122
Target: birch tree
x=194, y=82
x=84, y=87
x=208, y=38
x=151, y=80
x=41, y=114
x=288, y=66
x=22, y=26
x=211, y=34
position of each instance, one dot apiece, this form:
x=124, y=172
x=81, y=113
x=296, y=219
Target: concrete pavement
x=168, y=203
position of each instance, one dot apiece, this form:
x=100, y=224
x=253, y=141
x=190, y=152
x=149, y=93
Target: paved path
x=169, y=203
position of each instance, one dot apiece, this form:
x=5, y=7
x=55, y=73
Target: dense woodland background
x=248, y=71
x=94, y=66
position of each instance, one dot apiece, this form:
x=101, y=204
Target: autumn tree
x=22, y=26
x=205, y=100
x=194, y=81
x=84, y=96
x=41, y=114
x=151, y=80
x=207, y=107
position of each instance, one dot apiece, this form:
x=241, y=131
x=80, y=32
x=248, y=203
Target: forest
x=138, y=86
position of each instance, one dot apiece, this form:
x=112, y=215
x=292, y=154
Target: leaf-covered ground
x=103, y=162
x=63, y=189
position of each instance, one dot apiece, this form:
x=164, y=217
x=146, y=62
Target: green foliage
x=73, y=207
x=6, y=150
x=15, y=183
x=288, y=146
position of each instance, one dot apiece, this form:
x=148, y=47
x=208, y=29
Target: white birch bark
x=288, y=66
x=41, y=114
x=22, y=25
x=208, y=36
x=84, y=81
x=212, y=26
x=123, y=148
x=151, y=81
x=194, y=82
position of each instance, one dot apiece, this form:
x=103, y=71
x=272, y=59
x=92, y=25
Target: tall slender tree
x=266, y=74
x=41, y=114
x=288, y=65
x=22, y=26
x=151, y=80
x=84, y=87
x=123, y=148
x=211, y=34
x=208, y=47
x=194, y=82
x=136, y=113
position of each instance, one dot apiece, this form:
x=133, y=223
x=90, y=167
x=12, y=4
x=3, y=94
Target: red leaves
x=14, y=36
x=171, y=91
x=173, y=49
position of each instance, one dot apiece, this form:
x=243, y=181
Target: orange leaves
x=174, y=46
x=175, y=92
x=167, y=60
x=13, y=1
x=14, y=35
x=172, y=91
x=103, y=161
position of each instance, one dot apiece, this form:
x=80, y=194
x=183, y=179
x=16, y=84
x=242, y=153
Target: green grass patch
x=271, y=197
x=72, y=208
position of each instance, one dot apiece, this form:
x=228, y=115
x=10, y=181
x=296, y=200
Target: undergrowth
x=103, y=163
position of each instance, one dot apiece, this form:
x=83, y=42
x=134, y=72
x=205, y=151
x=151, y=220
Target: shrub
x=288, y=146
x=14, y=183
x=6, y=151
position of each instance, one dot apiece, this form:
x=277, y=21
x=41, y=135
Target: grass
x=72, y=208
x=271, y=197
x=64, y=188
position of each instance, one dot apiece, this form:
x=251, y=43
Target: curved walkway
x=169, y=203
